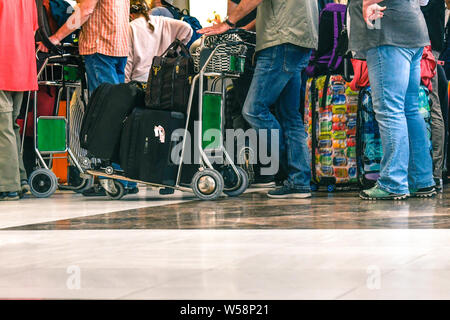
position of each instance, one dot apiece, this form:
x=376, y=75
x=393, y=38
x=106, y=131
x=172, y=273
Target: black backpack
x=186, y=17
x=170, y=78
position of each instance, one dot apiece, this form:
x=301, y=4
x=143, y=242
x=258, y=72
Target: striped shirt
x=106, y=31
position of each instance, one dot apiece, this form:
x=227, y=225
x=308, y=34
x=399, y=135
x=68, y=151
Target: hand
x=52, y=39
x=371, y=12
x=215, y=29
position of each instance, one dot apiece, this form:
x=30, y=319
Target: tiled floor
x=329, y=247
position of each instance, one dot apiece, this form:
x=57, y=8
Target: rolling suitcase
x=146, y=145
x=330, y=121
x=369, y=149
x=108, y=107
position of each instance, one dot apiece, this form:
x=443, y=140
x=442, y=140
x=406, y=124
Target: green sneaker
x=376, y=193
x=423, y=193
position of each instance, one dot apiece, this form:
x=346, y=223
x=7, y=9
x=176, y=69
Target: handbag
x=170, y=79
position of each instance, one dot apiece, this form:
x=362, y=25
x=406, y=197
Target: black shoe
x=439, y=185
x=134, y=190
x=9, y=196
x=288, y=193
x=264, y=182
x=24, y=186
x=95, y=191
x=166, y=191
x=423, y=193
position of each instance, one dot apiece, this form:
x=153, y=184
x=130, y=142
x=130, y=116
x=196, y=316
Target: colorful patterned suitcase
x=330, y=122
x=369, y=149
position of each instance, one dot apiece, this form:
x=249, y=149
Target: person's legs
x=420, y=169
x=101, y=69
x=105, y=69
x=389, y=72
x=437, y=127
x=121, y=63
x=277, y=79
x=17, y=104
x=267, y=84
x=294, y=135
x=9, y=159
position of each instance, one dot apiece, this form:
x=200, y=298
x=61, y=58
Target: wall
x=182, y=4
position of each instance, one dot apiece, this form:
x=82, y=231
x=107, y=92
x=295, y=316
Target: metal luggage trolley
x=58, y=134
x=217, y=58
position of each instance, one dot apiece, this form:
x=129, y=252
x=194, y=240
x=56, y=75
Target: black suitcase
x=146, y=145
x=107, y=109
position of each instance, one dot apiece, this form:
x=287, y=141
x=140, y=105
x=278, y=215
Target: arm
x=251, y=26
x=244, y=8
x=82, y=14
x=372, y=11
x=129, y=66
x=232, y=6
x=180, y=30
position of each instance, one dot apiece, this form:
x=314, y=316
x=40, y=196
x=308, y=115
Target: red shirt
x=18, y=23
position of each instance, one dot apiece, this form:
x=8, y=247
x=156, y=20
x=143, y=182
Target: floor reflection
x=256, y=211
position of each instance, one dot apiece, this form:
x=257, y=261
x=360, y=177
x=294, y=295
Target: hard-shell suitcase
x=330, y=121
x=148, y=139
x=108, y=107
x=369, y=150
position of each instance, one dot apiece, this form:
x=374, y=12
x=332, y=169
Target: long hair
x=141, y=7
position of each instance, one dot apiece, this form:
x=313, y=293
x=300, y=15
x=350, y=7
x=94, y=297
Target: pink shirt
x=18, y=23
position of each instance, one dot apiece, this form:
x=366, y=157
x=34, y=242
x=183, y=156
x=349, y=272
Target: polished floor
x=333, y=246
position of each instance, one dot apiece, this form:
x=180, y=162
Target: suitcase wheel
x=115, y=191
x=240, y=188
x=43, y=183
x=207, y=184
x=331, y=188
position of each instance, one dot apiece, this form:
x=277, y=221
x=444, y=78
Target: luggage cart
x=218, y=58
x=54, y=134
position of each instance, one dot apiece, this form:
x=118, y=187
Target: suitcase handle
x=175, y=45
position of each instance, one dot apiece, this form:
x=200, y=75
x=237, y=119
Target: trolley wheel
x=43, y=183
x=241, y=187
x=314, y=187
x=109, y=170
x=120, y=191
x=207, y=184
x=331, y=188
x=86, y=163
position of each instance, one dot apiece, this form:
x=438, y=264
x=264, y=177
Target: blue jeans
x=394, y=74
x=104, y=69
x=277, y=81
